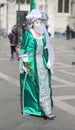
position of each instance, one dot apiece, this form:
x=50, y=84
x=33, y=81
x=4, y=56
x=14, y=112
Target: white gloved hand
x=25, y=59
x=24, y=68
x=48, y=64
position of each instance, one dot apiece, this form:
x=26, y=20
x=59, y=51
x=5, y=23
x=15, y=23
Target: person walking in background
x=36, y=68
x=24, y=28
x=13, y=37
x=68, y=32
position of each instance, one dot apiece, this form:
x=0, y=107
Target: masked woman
x=36, y=67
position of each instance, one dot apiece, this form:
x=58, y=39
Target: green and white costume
x=37, y=96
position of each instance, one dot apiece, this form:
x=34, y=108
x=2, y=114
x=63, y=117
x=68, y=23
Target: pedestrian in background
x=13, y=37
x=24, y=27
x=36, y=69
x=68, y=32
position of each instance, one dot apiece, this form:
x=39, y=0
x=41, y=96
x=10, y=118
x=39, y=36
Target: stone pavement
x=63, y=84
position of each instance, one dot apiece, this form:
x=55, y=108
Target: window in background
x=60, y=6
x=66, y=6
x=23, y=1
x=63, y=6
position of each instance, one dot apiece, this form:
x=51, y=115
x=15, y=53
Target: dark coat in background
x=13, y=36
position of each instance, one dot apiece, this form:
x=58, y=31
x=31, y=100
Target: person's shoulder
x=27, y=33
x=10, y=35
x=43, y=35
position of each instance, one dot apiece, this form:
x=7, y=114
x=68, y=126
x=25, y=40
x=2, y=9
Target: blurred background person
x=13, y=38
x=68, y=32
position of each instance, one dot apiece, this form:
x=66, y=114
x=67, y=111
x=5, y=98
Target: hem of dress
x=35, y=113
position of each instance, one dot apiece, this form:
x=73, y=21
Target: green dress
x=36, y=92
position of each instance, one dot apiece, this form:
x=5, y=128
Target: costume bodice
x=39, y=50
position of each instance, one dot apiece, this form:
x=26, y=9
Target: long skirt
x=35, y=89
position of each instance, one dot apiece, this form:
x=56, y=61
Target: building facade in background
x=64, y=14
x=60, y=13
x=9, y=13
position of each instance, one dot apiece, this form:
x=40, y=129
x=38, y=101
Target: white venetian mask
x=38, y=26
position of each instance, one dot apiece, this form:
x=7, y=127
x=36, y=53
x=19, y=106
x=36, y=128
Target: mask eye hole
x=37, y=22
